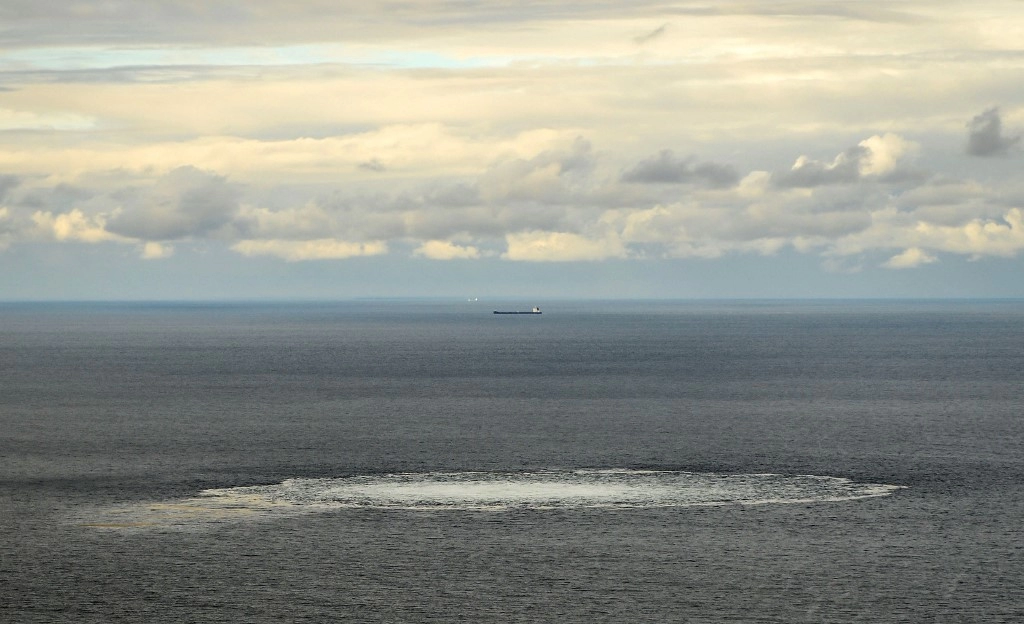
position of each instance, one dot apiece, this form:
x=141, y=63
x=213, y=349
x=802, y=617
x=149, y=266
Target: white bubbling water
x=490, y=491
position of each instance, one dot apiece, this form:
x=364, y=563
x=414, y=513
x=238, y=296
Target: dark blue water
x=113, y=416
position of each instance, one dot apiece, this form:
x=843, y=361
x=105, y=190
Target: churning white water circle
x=490, y=492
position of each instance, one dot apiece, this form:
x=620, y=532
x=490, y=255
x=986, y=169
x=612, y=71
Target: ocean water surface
x=418, y=461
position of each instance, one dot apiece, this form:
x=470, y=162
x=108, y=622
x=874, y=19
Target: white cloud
x=754, y=184
x=155, y=251
x=909, y=259
x=73, y=226
x=979, y=237
x=885, y=153
x=308, y=220
x=561, y=247
x=30, y=120
x=874, y=158
x=651, y=225
x=445, y=250
x=319, y=249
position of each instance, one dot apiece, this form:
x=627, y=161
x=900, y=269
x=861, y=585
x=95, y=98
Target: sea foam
x=488, y=492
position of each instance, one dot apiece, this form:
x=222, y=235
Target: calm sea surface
x=432, y=462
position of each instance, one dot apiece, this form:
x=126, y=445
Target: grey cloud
x=7, y=182
x=186, y=202
x=456, y=195
x=459, y=210
x=548, y=177
x=985, y=135
x=651, y=36
x=443, y=224
x=372, y=165
x=579, y=159
x=809, y=173
x=789, y=224
x=665, y=168
x=133, y=74
x=910, y=177
x=368, y=217
x=867, y=12
x=436, y=213
x=128, y=22
x=828, y=211
x=60, y=198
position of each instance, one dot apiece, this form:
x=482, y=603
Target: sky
x=325, y=149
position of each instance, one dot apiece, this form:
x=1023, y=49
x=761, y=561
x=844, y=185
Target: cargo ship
x=535, y=310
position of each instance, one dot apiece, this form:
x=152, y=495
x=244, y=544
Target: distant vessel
x=535, y=310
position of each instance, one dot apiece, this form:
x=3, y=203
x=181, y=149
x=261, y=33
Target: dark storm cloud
x=985, y=135
x=186, y=202
x=665, y=168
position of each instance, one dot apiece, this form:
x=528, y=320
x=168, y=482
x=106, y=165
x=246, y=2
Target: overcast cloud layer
x=861, y=136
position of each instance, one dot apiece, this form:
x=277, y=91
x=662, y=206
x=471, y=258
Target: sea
x=429, y=461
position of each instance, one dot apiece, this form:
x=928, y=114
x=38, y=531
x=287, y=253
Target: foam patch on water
x=488, y=491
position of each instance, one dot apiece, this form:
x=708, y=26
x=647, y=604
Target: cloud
x=564, y=202
x=306, y=221
x=73, y=226
x=27, y=120
x=651, y=36
x=985, y=135
x=431, y=151
x=155, y=251
x=884, y=154
x=372, y=165
x=665, y=168
x=6, y=235
x=842, y=265
x=528, y=131
x=844, y=169
x=319, y=249
x=909, y=259
x=561, y=247
x=7, y=182
x=547, y=177
x=979, y=237
x=445, y=250
x=878, y=157
x=186, y=202
x=130, y=23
